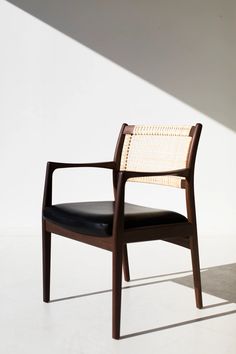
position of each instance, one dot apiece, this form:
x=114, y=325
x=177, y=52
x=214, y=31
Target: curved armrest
x=135, y=174
x=55, y=165
x=52, y=166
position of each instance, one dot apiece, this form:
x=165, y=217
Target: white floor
x=158, y=310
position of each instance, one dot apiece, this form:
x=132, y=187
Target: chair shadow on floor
x=218, y=281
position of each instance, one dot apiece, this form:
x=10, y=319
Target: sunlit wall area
x=62, y=101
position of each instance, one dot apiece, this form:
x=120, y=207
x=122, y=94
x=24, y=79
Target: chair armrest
x=135, y=174
x=55, y=165
x=52, y=166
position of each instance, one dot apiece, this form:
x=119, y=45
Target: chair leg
x=116, y=292
x=46, y=243
x=126, y=263
x=196, y=270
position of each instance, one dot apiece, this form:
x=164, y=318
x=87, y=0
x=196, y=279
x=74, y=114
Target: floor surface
x=158, y=309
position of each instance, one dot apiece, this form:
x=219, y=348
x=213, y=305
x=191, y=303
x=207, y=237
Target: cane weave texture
x=154, y=149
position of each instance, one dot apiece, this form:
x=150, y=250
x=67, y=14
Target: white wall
x=56, y=98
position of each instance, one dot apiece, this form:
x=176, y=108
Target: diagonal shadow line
x=124, y=288
x=81, y=295
x=179, y=324
x=160, y=276
x=128, y=286
x=166, y=275
x=109, y=290
x=222, y=271
x=216, y=305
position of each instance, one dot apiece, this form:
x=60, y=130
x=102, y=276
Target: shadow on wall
x=185, y=48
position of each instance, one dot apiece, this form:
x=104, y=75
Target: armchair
x=162, y=155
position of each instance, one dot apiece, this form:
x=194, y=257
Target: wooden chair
x=150, y=154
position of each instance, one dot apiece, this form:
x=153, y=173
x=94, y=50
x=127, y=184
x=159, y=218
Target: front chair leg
x=46, y=248
x=116, y=291
x=126, y=263
x=196, y=270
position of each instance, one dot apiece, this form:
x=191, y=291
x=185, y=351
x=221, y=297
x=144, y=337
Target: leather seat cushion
x=96, y=218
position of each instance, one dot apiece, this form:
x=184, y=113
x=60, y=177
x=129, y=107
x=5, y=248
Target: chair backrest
x=156, y=148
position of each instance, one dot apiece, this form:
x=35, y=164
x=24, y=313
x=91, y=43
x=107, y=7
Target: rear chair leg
x=126, y=263
x=116, y=292
x=196, y=271
x=46, y=248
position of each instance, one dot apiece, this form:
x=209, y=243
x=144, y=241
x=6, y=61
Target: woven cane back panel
x=154, y=149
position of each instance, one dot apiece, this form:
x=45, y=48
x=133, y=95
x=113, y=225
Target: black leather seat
x=96, y=218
